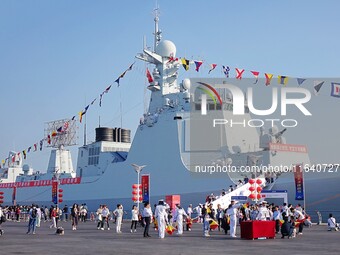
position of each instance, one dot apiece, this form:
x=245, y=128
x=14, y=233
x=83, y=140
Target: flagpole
x=304, y=187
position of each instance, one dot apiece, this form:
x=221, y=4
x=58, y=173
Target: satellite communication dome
x=186, y=84
x=166, y=49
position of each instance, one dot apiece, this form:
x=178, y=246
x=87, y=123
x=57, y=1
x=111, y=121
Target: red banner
x=146, y=188
x=298, y=176
x=288, y=147
x=55, y=192
x=39, y=183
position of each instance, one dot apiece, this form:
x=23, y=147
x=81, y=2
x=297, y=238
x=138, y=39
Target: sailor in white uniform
x=178, y=217
x=232, y=212
x=263, y=213
x=161, y=216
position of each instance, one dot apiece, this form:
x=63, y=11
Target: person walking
x=331, y=222
x=147, y=215
x=39, y=215
x=32, y=223
x=232, y=212
x=99, y=216
x=118, y=212
x=105, y=218
x=179, y=217
x=74, y=216
x=161, y=216
x=54, y=217
x=134, y=218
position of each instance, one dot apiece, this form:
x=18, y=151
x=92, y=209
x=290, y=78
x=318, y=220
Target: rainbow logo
x=210, y=91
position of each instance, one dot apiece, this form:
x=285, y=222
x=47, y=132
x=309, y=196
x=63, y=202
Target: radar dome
x=186, y=84
x=166, y=49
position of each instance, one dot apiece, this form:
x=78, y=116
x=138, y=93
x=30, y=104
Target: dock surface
x=89, y=240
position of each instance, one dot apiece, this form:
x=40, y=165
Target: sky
x=57, y=56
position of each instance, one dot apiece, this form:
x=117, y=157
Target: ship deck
x=88, y=240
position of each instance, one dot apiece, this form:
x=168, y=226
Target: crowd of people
x=289, y=220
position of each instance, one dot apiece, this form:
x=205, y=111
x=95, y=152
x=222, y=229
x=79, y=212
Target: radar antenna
x=60, y=133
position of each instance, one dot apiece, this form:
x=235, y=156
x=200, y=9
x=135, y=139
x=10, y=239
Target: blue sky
x=56, y=56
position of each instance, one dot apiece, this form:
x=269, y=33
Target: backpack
x=34, y=213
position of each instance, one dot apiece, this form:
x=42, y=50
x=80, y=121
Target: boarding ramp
x=243, y=190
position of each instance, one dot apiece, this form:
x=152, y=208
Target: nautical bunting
x=24, y=153
x=256, y=75
x=335, y=92
x=226, y=70
x=268, y=78
x=317, y=86
x=300, y=81
x=148, y=75
x=239, y=73
x=212, y=67
x=185, y=64
x=198, y=65
x=41, y=144
x=35, y=147
x=282, y=80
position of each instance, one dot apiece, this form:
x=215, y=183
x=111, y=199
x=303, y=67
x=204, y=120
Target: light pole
x=138, y=169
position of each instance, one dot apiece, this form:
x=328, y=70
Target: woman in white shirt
x=134, y=218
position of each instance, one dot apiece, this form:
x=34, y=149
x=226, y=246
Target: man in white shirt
x=189, y=210
x=300, y=218
x=332, y=223
x=263, y=213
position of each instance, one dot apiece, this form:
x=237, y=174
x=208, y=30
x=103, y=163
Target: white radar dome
x=166, y=49
x=186, y=84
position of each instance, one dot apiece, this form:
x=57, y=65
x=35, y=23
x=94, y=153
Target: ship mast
x=157, y=33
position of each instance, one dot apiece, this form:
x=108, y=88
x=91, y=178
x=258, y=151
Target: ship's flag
x=239, y=73
x=335, y=89
x=94, y=100
x=24, y=153
x=73, y=117
x=41, y=144
x=3, y=162
x=130, y=67
x=49, y=139
x=172, y=58
x=212, y=67
x=60, y=129
x=256, y=75
x=300, y=81
x=100, y=99
x=148, y=75
x=226, y=70
x=35, y=147
x=282, y=79
x=54, y=133
x=29, y=149
x=317, y=86
x=80, y=116
x=117, y=80
x=198, y=65
x=13, y=158
x=268, y=78
x=102, y=94
x=185, y=64
x=66, y=124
